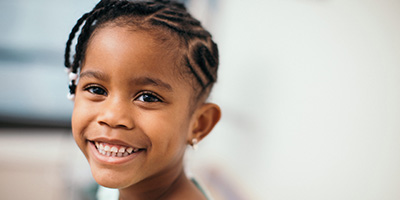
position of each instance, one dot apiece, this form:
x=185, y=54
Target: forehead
x=132, y=52
x=131, y=41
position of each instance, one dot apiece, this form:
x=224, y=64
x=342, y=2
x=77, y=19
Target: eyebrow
x=94, y=74
x=142, y=81
x=151, y=81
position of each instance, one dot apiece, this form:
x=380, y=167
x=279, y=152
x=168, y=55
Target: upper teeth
x=112, y=150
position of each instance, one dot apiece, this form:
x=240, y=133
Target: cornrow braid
x=200, y=52
x=75, y=29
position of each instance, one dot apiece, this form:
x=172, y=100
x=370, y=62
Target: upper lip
x=112, y=141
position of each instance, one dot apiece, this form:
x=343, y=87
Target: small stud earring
x=194, y=143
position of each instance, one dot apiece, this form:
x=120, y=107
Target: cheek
x=167, y=130
x=76, y=124
x=81, y=117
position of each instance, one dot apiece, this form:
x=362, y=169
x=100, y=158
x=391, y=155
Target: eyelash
x=149, y=95
x=90, y=89
x=143, y=95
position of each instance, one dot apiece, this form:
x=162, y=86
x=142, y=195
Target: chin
x=111, y=178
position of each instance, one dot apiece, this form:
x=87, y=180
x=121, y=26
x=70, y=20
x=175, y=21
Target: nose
x=115, y=113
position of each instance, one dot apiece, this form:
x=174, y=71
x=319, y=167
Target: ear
x=204, y=119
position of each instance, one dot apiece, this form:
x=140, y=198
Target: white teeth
x=114, y=149
x=129, y=149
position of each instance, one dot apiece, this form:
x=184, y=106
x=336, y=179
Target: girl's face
x=131, y=114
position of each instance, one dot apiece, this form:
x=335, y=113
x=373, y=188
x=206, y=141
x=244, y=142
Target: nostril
x=121, y=126
x=103, y=123
x=115, y=118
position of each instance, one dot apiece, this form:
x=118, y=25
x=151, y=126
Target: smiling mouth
x=112, y=150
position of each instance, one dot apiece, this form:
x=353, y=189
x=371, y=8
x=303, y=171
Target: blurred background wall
x=309, y=89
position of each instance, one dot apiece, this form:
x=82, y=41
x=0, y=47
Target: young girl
x=140, y=77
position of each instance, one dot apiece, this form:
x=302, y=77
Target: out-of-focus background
x=310, y=93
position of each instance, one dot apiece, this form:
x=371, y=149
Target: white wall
x=310, y=92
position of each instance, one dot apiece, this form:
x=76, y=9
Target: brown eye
x=96, y=90
x=148, y=97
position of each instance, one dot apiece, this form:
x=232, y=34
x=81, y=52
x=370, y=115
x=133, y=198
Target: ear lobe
x=206, y=118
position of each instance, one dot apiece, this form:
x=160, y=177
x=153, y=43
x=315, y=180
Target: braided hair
x=200, y=52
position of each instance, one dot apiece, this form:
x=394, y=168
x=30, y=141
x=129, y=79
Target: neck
x=157, y=187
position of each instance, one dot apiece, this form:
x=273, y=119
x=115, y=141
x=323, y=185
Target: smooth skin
x=130, y=92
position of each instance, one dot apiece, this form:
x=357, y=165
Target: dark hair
x=200, y=52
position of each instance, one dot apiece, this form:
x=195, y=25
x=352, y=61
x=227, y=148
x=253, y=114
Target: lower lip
x=111, y=160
